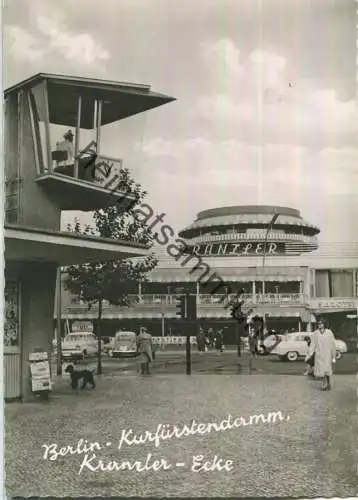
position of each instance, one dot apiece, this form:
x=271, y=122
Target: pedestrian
x=309, y=359
x=211, y=336
x=201, y=340
x=219, y=341
x=323, y=346
x=145, y=350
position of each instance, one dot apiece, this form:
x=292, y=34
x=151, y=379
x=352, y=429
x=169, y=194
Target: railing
x=273, y=235
x=209, y=299
x=98, y=169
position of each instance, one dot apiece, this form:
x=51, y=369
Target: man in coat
x=323, y=347
x=145, y=349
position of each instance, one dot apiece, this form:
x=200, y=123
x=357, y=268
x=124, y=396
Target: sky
x=265, y=92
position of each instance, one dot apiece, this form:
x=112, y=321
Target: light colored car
x=125, y=345
x=79, y=345
x=293, y=346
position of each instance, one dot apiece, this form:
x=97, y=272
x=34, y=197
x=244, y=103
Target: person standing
x=200, y=339
x=219, y=341
x=323, y=347
x=145, y=349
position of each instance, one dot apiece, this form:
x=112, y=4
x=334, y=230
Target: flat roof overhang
x=120, y=99
x=77, y=194
x=34, y=245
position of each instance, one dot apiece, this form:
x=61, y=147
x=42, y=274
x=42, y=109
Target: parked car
x=293, y=346
x=269, y=343
x=125, y=344
x=79, y=345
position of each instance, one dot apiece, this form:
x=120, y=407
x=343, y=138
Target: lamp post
x=268, y=230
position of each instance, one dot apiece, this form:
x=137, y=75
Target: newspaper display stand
x=40, y=374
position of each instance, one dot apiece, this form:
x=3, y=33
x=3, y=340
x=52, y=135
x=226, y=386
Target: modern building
x=45, y=177
x=291, y=282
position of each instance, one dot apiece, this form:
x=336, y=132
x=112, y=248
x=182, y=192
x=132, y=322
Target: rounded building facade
x=250, y=231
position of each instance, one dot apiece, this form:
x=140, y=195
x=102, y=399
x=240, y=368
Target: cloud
x=23, y=45
x=78, y=48
x=263, y=98
x=54, y=42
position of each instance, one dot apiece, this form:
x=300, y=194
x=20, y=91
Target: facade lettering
x=272, y=248
x=222, y=249
x=237, y=249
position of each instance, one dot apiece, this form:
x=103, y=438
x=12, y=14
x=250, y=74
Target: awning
x=25, y=244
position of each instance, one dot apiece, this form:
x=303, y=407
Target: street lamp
x=268, y=230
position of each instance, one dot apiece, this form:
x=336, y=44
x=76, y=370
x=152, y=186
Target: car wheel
x=338, y=354
x=292, y=356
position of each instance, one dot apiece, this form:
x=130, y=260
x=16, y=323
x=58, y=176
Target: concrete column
x=354, y=283
x=38, y=286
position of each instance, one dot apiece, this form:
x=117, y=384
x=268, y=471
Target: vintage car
x=79, y=345
x=293, y=346
x=125, y=345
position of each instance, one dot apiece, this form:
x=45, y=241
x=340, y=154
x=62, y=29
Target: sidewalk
x=309, y=454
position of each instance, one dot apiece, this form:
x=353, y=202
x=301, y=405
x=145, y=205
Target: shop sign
x=238, y=249
x=82, y=326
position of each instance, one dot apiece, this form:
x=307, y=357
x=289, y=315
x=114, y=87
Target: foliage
x=120, y=220
x=95, y=282
x=107, y=280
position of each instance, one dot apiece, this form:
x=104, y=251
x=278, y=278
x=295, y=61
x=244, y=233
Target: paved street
x=174, y=362
x=312, y=452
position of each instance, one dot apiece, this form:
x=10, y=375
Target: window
x=341, y=283
x=322, y=284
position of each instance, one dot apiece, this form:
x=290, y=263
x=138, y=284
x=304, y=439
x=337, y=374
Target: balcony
x=65, y=123
x=168, y=301
x=252, y=236
x=89, y=183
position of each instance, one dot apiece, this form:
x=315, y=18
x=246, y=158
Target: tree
x=110, y=281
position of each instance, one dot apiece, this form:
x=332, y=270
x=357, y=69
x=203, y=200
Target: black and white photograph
x=180, y=248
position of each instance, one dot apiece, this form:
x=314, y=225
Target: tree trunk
x=99, y=338
x=239, y=328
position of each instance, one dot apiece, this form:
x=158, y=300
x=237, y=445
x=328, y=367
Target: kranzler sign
x=238, y=249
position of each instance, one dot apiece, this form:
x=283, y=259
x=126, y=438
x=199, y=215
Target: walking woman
x=323, y=347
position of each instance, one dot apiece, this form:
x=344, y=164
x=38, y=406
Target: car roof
x=121, y=332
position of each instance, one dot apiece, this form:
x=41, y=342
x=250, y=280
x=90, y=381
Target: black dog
x=86, y=375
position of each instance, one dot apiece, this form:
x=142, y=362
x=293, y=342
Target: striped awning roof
x=264, y=218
